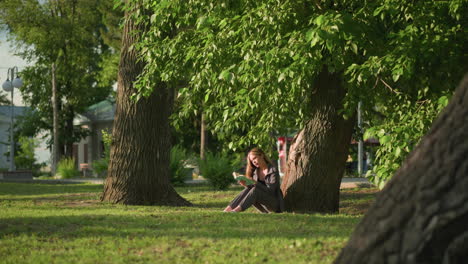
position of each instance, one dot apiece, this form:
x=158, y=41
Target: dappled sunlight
x=65, y=217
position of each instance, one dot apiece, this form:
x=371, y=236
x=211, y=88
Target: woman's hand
x=243, y=183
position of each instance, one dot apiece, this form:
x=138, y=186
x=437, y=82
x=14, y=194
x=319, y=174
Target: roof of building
x=102, y=111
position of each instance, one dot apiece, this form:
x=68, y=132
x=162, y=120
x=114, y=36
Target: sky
x=8, y=60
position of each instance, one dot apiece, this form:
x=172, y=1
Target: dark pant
x=264, y=201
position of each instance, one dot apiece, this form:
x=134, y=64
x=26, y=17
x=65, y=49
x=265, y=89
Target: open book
x=239, y=177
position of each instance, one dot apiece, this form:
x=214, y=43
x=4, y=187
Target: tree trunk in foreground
x=139, y=160
x=318, y=153
x=421, y=216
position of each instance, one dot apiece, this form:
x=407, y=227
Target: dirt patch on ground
x=357, y=201
x=355, y=208
x=349, y=185
x=361, y=191
x=84, y=203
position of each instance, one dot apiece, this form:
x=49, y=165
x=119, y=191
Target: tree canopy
x=250, y=65
x=67, y=34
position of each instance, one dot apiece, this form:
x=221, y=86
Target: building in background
x=97, y=118
x=5, y=120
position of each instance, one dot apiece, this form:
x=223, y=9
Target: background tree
x=419, y=64
x=139, y=159
x=262, y=67
x=111, y=34
x=4, y=99
x=66, y=34
x=421, y=215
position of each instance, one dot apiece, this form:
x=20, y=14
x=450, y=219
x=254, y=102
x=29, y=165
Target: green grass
x=42, y=223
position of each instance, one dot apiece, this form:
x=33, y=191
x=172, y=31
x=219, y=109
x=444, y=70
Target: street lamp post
x=9, y=86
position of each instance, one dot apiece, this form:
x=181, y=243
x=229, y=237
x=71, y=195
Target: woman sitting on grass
x=265, y=194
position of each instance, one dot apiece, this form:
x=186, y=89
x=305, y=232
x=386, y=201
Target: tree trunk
x=139, y=159
x=203, y=140
x=68, y=130
x=55, y=146
x=318, y=153
x=421, y=216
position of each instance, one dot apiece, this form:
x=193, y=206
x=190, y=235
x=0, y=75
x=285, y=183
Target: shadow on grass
x=8, y=188
x=41, y=189
x=181, y=224
x=205, y=188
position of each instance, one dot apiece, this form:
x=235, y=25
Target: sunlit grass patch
x=68, y=224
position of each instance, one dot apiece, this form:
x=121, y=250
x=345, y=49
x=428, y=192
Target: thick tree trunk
x=318, y=153
x=139, y=160
x=421, y=216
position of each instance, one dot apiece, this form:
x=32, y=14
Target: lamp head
x=7, y=86
x=17, y=82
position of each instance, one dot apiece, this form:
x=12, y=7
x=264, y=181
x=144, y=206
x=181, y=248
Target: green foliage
x=66, y=168
x=250, y=65
x=177, y=166
x=4, y=99
x=25, y=158
x=100, y=166
x=67, y=34
x=402, y=130
x=217, y=169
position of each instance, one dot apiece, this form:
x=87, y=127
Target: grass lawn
x=42, y=223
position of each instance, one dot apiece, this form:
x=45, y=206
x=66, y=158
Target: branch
x=389, y=87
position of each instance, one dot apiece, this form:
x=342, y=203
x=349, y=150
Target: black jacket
x=272, y=184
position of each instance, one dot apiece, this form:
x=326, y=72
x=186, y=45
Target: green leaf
x=281, y=77
x=224, y=75
x=319, y=20
x=443, y=101
x=367, y=134
x=381, y=133
x=354, y=48
x=201, y=22
x=207, y=96
x=223, y=23
x=397, y=152
x=314, y=41
x=381, y=185
x=310, y=34
x=385, y=139
x=153, y=18
x=225, y=115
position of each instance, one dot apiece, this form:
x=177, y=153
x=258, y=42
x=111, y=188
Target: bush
x=100, y=166
x=217, y=169
x=66, y=168
x=178, y=173
x=25, y=158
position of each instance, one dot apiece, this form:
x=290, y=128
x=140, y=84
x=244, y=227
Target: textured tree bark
x=421, y=216
x=317, y=155
x=139, y=159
